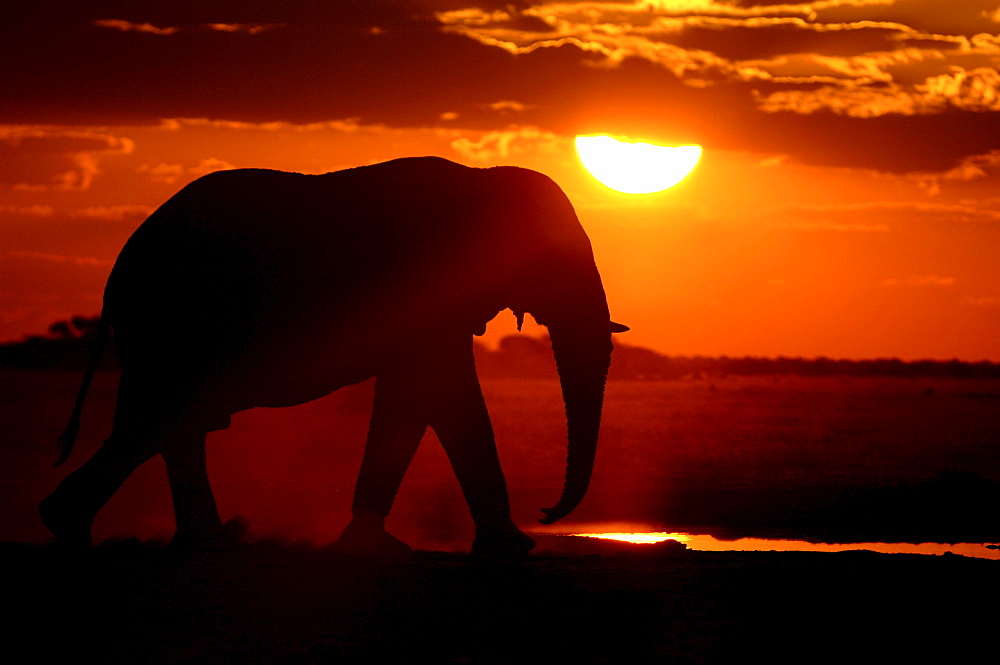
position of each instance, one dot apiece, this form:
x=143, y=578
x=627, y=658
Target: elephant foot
x=372, y=540
x=507, y=541
x=71, y=528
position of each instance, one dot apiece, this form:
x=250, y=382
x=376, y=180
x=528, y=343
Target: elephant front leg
x=457, y=413
x=437, y=386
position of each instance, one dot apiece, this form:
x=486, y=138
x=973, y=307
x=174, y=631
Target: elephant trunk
x=583, y=354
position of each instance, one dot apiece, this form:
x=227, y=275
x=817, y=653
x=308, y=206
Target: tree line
x=67, y=345
x=532, y=356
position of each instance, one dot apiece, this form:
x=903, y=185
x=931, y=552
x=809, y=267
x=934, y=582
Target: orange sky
x=846, y=205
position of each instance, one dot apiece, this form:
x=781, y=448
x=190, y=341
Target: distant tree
x=61, y=330
x=85, y=326
x=66, y=346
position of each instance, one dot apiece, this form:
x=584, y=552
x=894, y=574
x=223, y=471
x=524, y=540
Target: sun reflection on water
x=708, y=543
x=639, y=538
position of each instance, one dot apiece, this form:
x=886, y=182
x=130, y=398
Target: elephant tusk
x=616, y=327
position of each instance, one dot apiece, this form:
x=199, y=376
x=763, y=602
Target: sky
x=846, y=203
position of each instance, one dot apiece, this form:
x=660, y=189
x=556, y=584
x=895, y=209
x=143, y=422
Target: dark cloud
x=932, y=16
x=748, y=43
x=361, y=59
x=895, y=143
x=392, y=63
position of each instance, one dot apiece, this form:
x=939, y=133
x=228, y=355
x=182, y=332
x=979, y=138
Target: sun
x=634, y=167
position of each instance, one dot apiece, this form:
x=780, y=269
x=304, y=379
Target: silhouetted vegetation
x=522, y=356
x=639, y=363
x=66, y=346
x=68, y=342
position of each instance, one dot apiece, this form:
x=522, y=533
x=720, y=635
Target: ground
x=268, y=603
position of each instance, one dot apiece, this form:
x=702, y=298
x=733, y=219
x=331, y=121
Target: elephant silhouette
x=260, y=288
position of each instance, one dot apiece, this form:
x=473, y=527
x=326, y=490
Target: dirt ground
x=128, y=602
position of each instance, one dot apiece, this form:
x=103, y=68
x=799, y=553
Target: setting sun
x=636, y=167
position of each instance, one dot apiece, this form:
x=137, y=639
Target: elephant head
x=562, y=290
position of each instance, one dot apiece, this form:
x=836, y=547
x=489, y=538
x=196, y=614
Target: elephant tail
x=68, y=438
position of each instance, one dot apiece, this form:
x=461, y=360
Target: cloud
x=149, y=28
x=706, y=42
x=508, y=105
x=86, y=261
x=759, y=76
x=603, y=30
x=973, y=167
x=116, y=213
x=41, y=158
x=163, y=172
x=850, y=100
x=843, y=227
x=509, y=143
x=982, y=301
x=248, y=28
x=210, y=165
x=128, y=26
x=921, y=280
x=752, y=65
x=347, y=126
x=773, y=161
x=700, y=42
x=38, y=210
x=975, y=90
x=816, y=216
x=172, y=173
x=685, y=38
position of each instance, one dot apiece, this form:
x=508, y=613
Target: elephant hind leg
x=195, y=512
x=151, y=416
x=397, y=425
x=69, y=512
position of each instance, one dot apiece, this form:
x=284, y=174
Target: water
x=705, y=543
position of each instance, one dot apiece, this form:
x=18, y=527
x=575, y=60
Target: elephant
x=262, y=288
